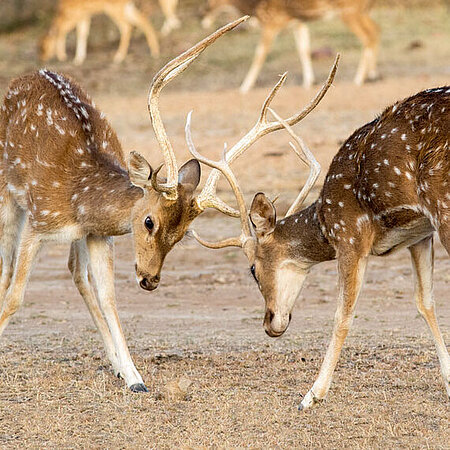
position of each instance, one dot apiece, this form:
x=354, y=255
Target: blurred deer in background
x=387, y=188
x=275, y=15
x=63, y=177
x=77, y=14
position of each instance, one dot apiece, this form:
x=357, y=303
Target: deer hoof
x=309, y=400
x=138, y=387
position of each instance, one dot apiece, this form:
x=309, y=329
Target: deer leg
x=101, y=255
x=28, y=247
x=422, y=256
x=11, y=222
x=137, y=19
x=125, y=35
x=267, y=38
x=82, y=36
x=79, y=267
x=444, y=235
x=351, y=272
x=172, y=22
x=303, y=42
x=365, y=29
x=61, y=36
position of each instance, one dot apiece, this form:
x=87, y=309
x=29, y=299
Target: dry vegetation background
x=205, y=320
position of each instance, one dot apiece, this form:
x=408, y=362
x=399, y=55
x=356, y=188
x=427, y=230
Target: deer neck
x=104, y=202
x=303, y=237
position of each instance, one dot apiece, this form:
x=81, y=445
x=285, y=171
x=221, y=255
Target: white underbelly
x=397, y=238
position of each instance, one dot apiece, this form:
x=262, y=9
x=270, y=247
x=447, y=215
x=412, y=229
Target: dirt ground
x=204, y=322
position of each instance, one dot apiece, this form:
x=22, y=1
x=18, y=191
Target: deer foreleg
x=27, y=250
x=79, y=267
x=268, y=35
x=303, y=42
x=82, y=36
x=422, y=257
x=101, y=255
x=351, y=273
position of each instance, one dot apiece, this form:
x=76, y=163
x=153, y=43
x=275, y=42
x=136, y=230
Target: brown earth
x=205, y=320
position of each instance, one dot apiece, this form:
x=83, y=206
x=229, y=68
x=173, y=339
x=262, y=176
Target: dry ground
x=204, y=321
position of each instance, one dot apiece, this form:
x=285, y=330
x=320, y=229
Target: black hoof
x=138, y=387
x=300, y=407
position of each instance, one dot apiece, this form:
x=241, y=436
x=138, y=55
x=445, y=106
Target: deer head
x=278, y=251
x=162, y=215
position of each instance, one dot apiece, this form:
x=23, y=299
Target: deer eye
x=252, y=270
x=149, y=223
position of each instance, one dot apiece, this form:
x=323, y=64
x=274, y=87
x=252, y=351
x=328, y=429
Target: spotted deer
x=387, y=188
x=276, y=15
x=77, y=14
x=63, y=177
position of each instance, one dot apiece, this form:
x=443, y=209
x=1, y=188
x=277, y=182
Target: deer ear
x=139, y=170
x=262, y=215
x=189, y=175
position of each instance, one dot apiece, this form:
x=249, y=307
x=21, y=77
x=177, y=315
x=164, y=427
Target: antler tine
x=163, y=77
x=229, y=242
x=302, y=152
x=263, y=127
x=223, y=167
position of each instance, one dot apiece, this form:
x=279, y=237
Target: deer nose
x=149, y=284
x=268, y=318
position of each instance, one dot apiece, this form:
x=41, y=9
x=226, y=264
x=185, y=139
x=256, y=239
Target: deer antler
x=161, y=79
x=208, y=198
x=223, y=167
x=302, y=152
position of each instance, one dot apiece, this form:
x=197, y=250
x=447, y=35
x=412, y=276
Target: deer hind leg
x=303, y=43
x=27, y=249
x=444, y=234
x=135, y=17
x=81, y=274
x=351, y=272
x=367, y=32
x=82, y=36
x=101, y=255
x=268, y=35
x=422, y=257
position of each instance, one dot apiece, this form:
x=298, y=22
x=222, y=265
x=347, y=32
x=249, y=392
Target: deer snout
x=148, y=282
x=275, y=324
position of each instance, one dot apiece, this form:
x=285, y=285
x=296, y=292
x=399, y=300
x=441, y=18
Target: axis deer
x=275, y=15
x=63, y=177
x=124, y=13
x=388, y=188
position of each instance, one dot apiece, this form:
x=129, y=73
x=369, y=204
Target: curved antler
x=302, y=152
x=223, y=167
x=260, y=129
x=161, y=79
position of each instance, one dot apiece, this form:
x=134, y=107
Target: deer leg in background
x=135, y=17
x=79, y=267
x=172, y=22
x=29, y=244
x=422, y=256
x=366, y=31
x=303, y=43
x=82, y=36
x=268, y=35
x=351, y=268
x=125, y=35
x=101, y=255
x=63, y=30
